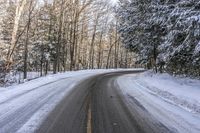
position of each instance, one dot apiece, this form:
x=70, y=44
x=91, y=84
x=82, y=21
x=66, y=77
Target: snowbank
x=173, y=101
x=184, y=92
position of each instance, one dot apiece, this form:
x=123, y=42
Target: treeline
x=165, y=34
x=59, y=35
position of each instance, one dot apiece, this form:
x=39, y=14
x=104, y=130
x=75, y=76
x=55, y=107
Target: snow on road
x=23, y=107
x=175, y=102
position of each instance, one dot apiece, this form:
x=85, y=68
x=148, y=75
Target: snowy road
x=98, y=106
x=24, y=107
x=87, y=102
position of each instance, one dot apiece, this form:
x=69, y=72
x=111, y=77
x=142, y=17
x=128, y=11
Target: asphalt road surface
x=97, y=105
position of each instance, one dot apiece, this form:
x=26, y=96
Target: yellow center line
x=89, y=120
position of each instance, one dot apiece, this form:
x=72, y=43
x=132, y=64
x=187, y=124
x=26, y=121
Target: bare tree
x=19, y=10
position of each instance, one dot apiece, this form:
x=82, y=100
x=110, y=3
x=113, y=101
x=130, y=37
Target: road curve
x=96, y=105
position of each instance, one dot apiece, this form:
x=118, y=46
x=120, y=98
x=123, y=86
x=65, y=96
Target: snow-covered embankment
x=175, y=102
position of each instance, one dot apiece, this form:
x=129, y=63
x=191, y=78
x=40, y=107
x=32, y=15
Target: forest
x=52, y=36
x=165, y=34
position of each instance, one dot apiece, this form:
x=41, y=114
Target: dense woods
x=51, y=36
x=59, y=35
x=165, y=34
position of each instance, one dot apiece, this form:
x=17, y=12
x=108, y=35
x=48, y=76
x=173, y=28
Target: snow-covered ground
x=175, y=102
x=23, y=107
x=17, y=78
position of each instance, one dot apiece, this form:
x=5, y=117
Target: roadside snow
x=173, y=101
x=14, y=78
x=183, y=92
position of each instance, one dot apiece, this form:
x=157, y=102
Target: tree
x=164, y=34
x=19, y=10
x=58, y=35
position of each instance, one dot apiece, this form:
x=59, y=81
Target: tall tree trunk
x=126, y=59
x=109, y=53
x=41, y=61
x=58, y=46
x=27, y=39
x=46, y=67
x=91, y=60
x=116, y=47
x=155, y=57
x=72, y=64
x=18, y=13
x=100, y=51
x=80, y=45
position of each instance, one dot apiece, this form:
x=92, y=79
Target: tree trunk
x=100, y=51
x=155, y=57
x=27, y=40
x=18, y=13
